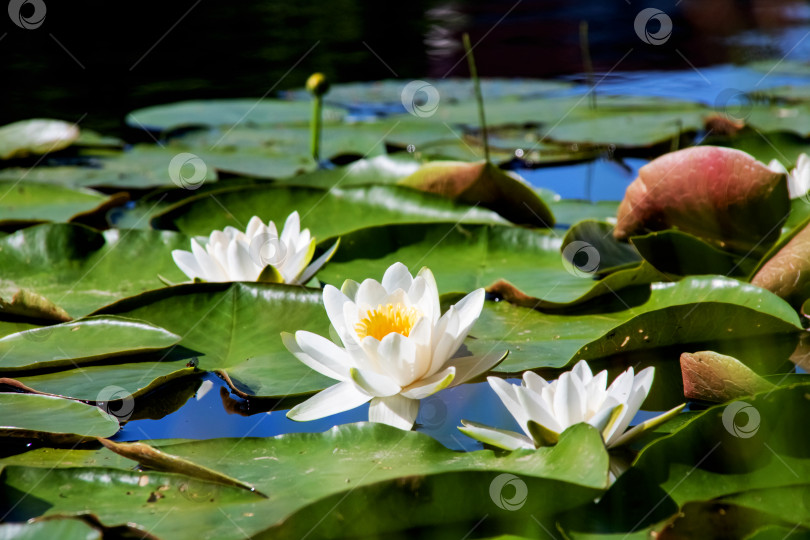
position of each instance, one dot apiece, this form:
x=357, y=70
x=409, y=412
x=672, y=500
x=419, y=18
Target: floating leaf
x=38, y=136
x=80, y=341
x=222, y=112
x=485, y=184
x=718, y=194
x=80, y=269
x=33, y=415
x=302, y=472
x=465, y=257
x=326, y=213
x=26, y=203
x=707, y=310
x=680, y=253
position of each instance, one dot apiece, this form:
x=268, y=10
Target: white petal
x=375, y=384
x=429, y=302
x=641, y=387
x=564, y=397
x=186, y=261
x=509, y=396
x=469, y=309
x=534, y=382
x=212, y=270
x=397, y=411
x=333, y=302
x=255, y=225
x=335, y=399
x=292, y=228
x=537, y=411
x=370, y=294
x=396, y=277
x=776, y=166
x=431, y=385
x=241, y=265
x=469, y=367
x=583, y=371
x=508, y=440
x=398, y=358
x=319, y=353
x=420, y=336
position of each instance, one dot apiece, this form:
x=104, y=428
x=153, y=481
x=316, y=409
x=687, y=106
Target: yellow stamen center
x=385, y=319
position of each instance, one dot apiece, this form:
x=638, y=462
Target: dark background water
x=96, y=61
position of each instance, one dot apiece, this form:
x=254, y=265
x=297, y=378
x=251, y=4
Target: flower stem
x=585, y=49
x=315, y=132
x=478, y=96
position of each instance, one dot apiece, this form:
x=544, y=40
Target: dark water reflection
x=96, y=61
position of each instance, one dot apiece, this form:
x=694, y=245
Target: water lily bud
x=317, y=84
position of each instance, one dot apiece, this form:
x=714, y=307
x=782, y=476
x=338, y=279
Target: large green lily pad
x=299, y=470
x=236, y=328
x=80, y=269
x=80, y=341
x=712, y=310
x=326, y=213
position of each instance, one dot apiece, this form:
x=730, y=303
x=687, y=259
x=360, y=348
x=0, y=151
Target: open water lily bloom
x=798, y=178
x=545, y=409
x=259, y=253
x=397, y=347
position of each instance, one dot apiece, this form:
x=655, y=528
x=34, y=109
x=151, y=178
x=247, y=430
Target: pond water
x=79, y=67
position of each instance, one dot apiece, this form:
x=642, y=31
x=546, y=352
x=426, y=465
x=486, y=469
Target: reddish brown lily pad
x=721, y=195
x=787, y=274
x=715, y=377
x=482, y=183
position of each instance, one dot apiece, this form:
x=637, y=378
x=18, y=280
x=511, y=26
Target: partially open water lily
x=798, y=178
x=544, y=410
x=258, y=254
x=397, y=347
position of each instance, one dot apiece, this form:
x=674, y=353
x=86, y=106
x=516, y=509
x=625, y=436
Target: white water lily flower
x=798, y=178
x=397, y=347
x=544, y=410
x=259, y=252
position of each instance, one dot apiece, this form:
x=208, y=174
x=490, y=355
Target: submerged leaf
x=722, y=195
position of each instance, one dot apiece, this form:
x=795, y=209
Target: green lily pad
x=450, y=90
x=34, y=202
x=37, y=136
x=89, y=381
x=64, y=529
x=465, y=257
x=236, y=328
x=224, y=112
x=359, y=462
x=677, y=252
x=80, y=269
x=143, y=167
x=80, y=341
x=29, y=415
x=736, y=453
x=326, y=213
x=705, y=310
